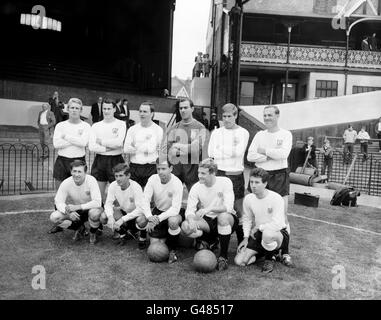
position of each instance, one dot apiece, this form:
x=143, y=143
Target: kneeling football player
x=78, y=200
x=166, y=192
x=216, y=216
x=264, y=224
x=124, y=211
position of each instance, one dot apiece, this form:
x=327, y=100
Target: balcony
x=259, y=53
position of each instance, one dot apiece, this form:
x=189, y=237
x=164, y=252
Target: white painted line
x=289, y=214
x=334, y=224
x=25, y=211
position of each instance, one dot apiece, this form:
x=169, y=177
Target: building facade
x=295, y=50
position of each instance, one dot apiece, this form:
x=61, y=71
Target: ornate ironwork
x=309, y=56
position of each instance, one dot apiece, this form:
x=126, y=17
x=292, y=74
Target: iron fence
x=365, y=175
x=22, y=170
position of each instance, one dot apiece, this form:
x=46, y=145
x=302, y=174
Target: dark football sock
x=224, y=242
x=239, y=233
x=284, y=246
x=143, y=234
x=93, y=230
x=270, y=254
x=75, y=225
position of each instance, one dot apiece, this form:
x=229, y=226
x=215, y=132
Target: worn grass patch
x=106, y=271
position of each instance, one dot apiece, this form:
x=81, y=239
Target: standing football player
x=106, y=140
x=142, y=144
x=227, y=147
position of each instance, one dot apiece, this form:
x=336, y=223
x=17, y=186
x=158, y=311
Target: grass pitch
x=106, y=271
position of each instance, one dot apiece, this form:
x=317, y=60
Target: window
x=326, y=88
x=361, y=89
x=247, y=93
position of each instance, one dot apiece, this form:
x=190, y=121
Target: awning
x=324, y=112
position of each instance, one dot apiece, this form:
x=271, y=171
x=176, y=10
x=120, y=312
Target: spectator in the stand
x=125, y=115
x=373, y=42
x=206, y=65
x=365, y=46
x=378, y=132
x=57, y=106
x=312, y=157
x=328, y=159
x=205, y=121
x=349, y=142
x=177, y=111
x=214, y=123
x=198, y=66
x=364, y=137
x=96, y=110
x=118, y=110
x=45, y=121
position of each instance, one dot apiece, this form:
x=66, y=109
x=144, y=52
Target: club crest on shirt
x=87, y=192
x=148, y=136
x=115, y=131
x=269, y=210
x=235, y=141
x=170, y=195
x=279, y=142
x=80, y=132
x=220, y=194
x=132, y=200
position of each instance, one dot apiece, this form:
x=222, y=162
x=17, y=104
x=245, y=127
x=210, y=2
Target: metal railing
x=309, y=56
x=23, y=171
x=365, y=175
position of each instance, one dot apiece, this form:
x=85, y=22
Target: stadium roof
x=324, y=112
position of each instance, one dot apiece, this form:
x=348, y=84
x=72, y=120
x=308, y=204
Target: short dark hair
x=78, y=163
x=274, y=107
x=163, y=159
x=260, y=173
x=187, y=99
x=121, y=167
x=150, y=104
x=108, y=100
x=209, y=164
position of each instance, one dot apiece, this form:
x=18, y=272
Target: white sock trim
x=269, y=246
x=174, y=232
x=139, y=228
x=224, y=230
x=196, y=234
